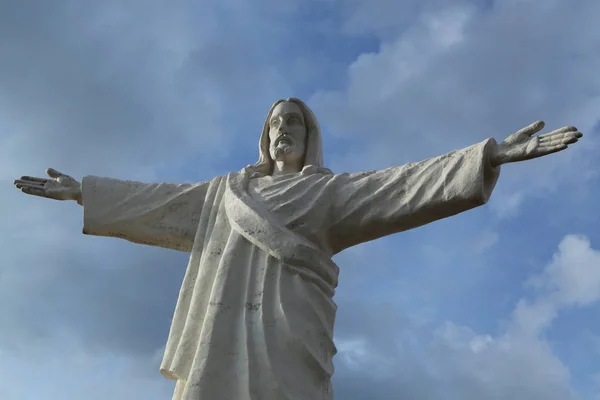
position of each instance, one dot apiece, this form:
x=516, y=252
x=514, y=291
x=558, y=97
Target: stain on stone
x=252, y=307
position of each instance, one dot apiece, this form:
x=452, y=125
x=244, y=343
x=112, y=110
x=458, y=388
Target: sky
x=500, y=302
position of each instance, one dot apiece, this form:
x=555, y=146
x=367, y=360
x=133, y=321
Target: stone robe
x=255, y=314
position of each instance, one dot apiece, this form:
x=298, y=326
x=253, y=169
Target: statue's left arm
x=369, y=205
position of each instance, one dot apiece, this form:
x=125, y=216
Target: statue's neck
x=286, y=167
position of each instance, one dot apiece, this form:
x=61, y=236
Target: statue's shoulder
x=314, y=170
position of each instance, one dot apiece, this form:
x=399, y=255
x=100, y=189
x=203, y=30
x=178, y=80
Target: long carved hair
x=313, y=155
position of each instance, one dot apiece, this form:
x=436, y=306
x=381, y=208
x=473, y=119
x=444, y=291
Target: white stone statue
x=255, y=314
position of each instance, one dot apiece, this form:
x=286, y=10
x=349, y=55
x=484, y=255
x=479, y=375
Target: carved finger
x=567, y=129
x=531, y=129
x=33, y=179
x=552, y=135
x=29, y=185
x=564, y=129
x=52, y=173
x=19, y=183
x=570, y=139
x=33, y=191
x=551, y=138
x=567, y=138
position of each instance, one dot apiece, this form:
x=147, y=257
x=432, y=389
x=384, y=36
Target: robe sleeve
x=369, y=205
x=156, y=214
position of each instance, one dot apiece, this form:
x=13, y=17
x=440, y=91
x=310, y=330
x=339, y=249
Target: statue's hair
x=313, y=154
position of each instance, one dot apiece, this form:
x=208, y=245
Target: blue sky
x=499, y=302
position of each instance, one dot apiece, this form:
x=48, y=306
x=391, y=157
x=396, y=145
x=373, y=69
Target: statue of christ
x=255, y=314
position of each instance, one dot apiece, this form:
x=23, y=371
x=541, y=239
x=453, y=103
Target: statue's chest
x=296, y=201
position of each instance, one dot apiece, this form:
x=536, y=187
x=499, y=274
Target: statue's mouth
x=283, y=140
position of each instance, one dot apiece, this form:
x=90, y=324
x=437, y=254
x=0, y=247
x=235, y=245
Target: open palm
x=58, y=187
x=522, y=145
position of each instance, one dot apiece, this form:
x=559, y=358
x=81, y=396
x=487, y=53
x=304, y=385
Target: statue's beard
x=282, y=151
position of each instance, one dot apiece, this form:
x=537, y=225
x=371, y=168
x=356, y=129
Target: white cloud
x=352, y=352
x=376, y=80
x=596, y=380
x=573, y=276
x=531, y=318
x=517, y=363
x=70, y=372
x=506, y=205
x=485, y=240
x=454, y=75
x=595, y=339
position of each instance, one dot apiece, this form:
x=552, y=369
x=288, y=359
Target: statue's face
x=287, y=133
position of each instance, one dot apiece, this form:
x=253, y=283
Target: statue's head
x=290, y=134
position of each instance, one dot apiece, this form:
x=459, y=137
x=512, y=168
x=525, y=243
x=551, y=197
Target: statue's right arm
x=156, y=214
x=58, y=187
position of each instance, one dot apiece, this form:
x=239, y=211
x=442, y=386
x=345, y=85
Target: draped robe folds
x=255, y=314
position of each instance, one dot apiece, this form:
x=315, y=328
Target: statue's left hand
x=522, y=145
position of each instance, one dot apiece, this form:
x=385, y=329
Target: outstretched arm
x=369, y=205
x=156, y=214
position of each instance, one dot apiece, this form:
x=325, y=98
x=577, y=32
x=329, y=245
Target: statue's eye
x=275, y=123
x=293, y=121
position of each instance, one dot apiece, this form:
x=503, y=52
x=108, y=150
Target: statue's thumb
x=535, y=127
x=52, y=173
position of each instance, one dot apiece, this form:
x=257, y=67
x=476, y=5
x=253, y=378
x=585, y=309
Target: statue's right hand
x=59, y=187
